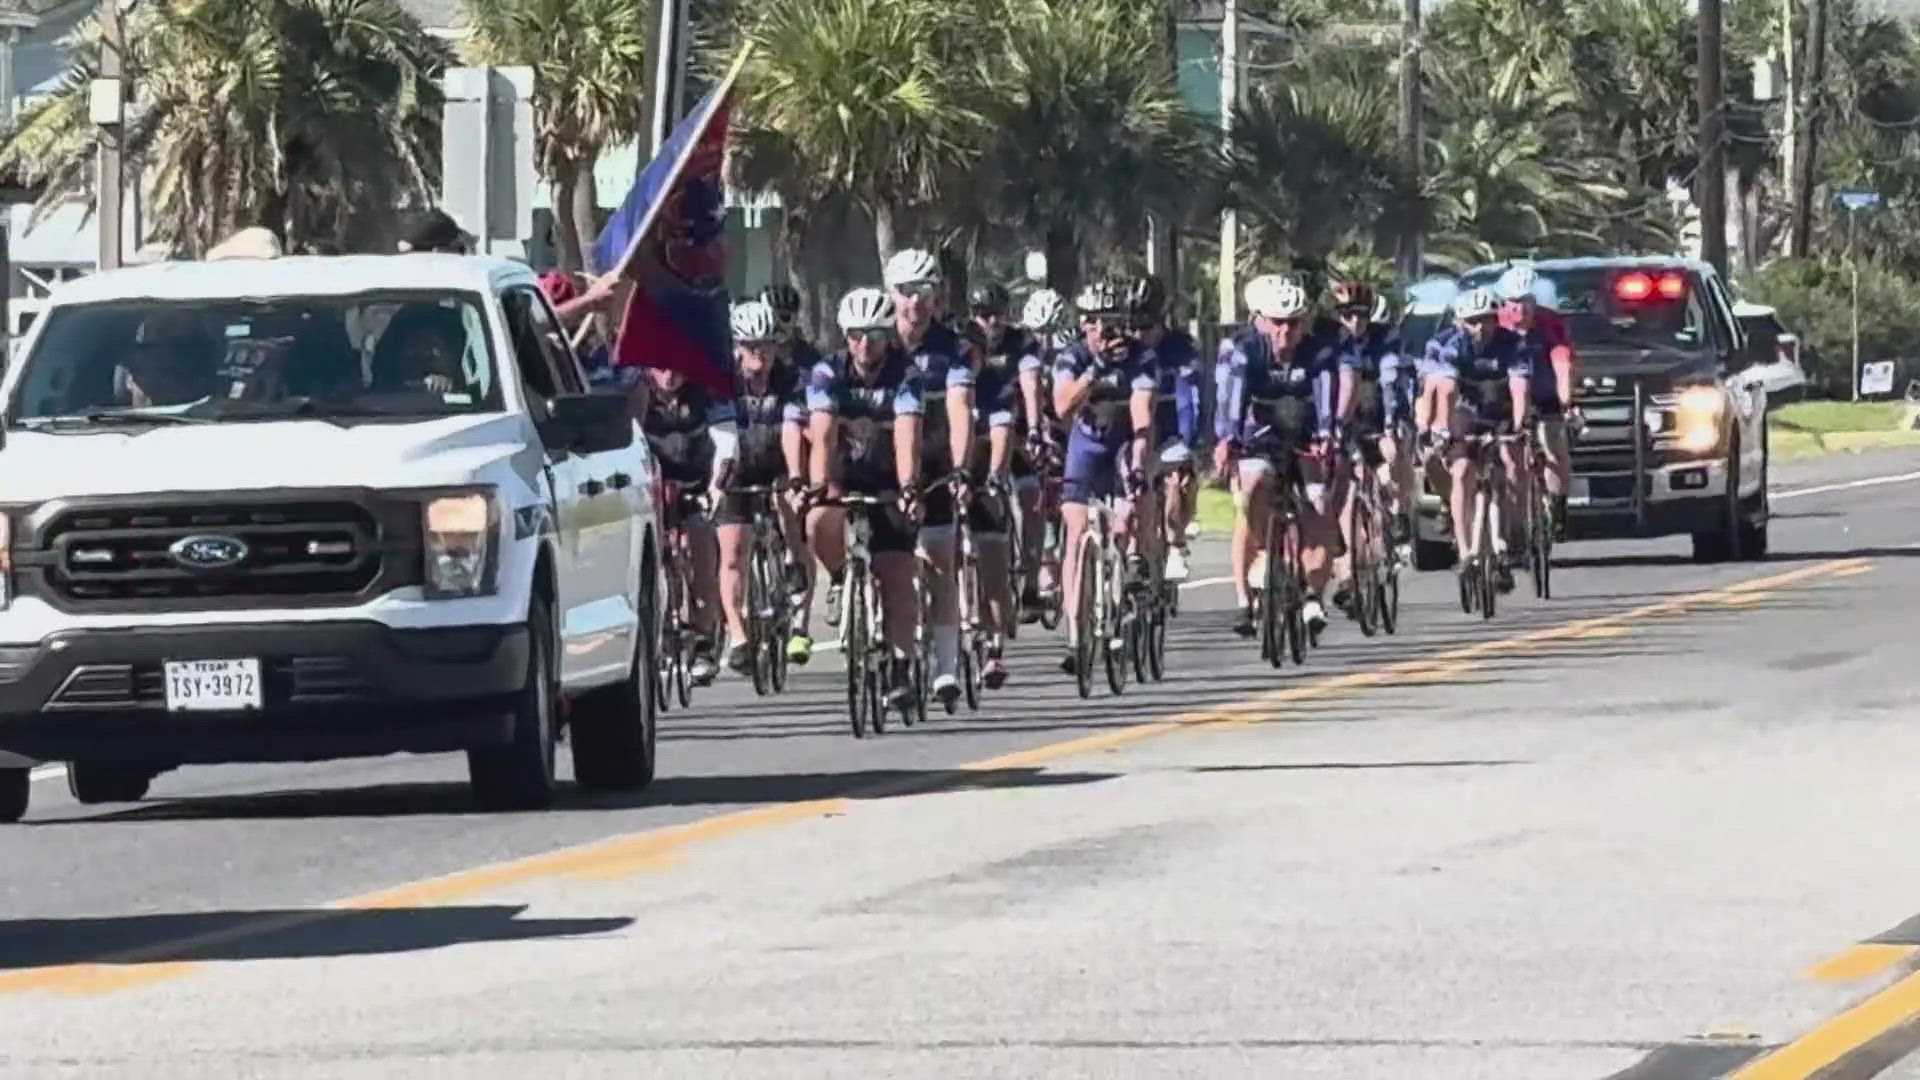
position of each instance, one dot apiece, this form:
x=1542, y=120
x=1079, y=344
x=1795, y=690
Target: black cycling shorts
x=745, y=509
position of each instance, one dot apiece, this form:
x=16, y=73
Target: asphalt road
x=1658, y=827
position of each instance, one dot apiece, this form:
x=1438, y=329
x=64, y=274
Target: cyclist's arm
x=960, y=414
x=1562, y=357
x=1030, y=380
x=907, y=423
x=823, y=426
x=1186, y=402
x=793, y=439
x=1520, y=388
x=1070, y=388
x=1146, y=394
x=1230, y=378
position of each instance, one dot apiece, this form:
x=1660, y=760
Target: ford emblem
x=208, y=552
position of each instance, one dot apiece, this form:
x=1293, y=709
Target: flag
x=669, y=238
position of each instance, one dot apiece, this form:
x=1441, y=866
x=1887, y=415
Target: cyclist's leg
x=735, y=539
x=1319, y=531
x=827, y=533
x=1176, y=475
x=939, y=544
x=1254, y=500
x=1341, y=490
x=1461, y=488
x=1558, y=454
x=800, y=646
x=1513, y=462
x=703, y=579
x=895, y=571
x=1397, y=481
x=1033, y=538
x=987, y=525
x=1088, y=472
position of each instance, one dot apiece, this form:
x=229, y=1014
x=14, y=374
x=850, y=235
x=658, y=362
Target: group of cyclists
x=990, y=455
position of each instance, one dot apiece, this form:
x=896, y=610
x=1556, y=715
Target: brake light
x=1633, y=288
x=1637, y=287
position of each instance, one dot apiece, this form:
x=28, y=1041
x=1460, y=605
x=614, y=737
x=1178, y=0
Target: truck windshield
x=1603, y=307
x=401, y=355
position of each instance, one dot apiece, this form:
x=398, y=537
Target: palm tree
x=589, y=59
x=870, y=100
x=1090, y=130
x=314, y=118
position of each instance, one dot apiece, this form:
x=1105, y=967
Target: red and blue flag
x=670, y=238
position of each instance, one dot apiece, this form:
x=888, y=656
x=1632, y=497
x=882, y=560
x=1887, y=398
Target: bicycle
x=1280, y=602
x=1102, y=606
x=769, y=603
x=1480, y=564
x=1046, y=467
x=674, y=676
x=1541, y=526
x=869, y=666
x=976, y=637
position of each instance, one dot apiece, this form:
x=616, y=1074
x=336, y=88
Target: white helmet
x=1100, y=298
x=866, y=309
x=1474, y=303
x=909, y=265
x=1044, y=310
x=1276, y=296
x=1379, y=309
x=753, y=321
x=1519, y=281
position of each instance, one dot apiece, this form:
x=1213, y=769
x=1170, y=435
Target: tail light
x=1637, y=287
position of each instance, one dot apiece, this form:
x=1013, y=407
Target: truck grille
x=114, y=554
x=298, y=680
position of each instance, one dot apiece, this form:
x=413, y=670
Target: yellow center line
x=655, y=848
x=1860, y=961
x=1839, y=1036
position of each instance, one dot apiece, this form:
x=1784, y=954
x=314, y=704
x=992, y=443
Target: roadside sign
x=1858, y=200
x=1876, y=378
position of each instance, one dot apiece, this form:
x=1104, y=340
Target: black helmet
x=433, y=230
x=784, y=299
x=992, y=299
x=1146, y=297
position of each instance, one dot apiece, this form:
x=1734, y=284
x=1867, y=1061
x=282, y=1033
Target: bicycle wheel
x=1542, y=546
x=1366, y=568
x=1086, y=618
x=1114, y=622
x=667, y=651
x=1157, y=644
x=1053, y=601
x=1293, y=582
x=858, y=647
x=971, y=661
x=682, y=650
x=1273, y=593
x=1390, y=600
x=758, y=620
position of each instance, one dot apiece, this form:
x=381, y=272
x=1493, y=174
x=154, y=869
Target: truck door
x=600, y=619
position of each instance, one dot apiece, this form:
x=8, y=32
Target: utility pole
x=670, y=73
x=1711, y=182
x=1412, y=136
x=1163, y=237
x=1790, y=115
x=1229, y=220
x=1806, y=146
x=108, y=107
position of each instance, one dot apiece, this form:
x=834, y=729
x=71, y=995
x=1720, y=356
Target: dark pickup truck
x=1675, y=438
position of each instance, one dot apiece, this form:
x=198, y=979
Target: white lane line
x=834, y=645
x=1871, y=481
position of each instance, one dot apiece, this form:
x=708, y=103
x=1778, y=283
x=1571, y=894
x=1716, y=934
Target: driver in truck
x=1549, y=347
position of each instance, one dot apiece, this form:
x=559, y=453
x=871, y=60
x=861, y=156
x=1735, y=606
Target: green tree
x=589, y=59
x=314, y=118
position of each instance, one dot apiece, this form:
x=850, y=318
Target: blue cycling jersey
x=1269, y=396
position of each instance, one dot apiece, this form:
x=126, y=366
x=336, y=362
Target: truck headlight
x=1696, y=418
x=460, y=550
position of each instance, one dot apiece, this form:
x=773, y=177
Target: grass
x=1824, y=417
x=1215, y=511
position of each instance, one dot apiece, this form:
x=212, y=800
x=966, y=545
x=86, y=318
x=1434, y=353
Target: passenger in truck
x=173, y=364
x=422, y=349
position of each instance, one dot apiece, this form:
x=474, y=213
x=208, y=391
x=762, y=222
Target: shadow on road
x=420, y=799
x=273, y=935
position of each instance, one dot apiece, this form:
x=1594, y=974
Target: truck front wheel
x=519, y=775
x=1721, y=540
x=16, y=790
x=95, y=782
x=614, y=728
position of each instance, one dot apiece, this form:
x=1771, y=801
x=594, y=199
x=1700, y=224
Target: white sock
x=946, y=649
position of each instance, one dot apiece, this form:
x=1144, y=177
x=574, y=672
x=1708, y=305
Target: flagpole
x=720, y=94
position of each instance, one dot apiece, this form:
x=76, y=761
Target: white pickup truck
x=310, y=508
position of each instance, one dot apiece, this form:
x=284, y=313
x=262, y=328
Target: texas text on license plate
x=213, y=685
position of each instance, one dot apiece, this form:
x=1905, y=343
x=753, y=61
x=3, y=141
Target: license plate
x=1580, y=494
x=213, y=685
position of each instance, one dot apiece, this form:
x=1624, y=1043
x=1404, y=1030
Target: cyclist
x=1104, y=389
x=864, y=428
x=998, y=459
x=1044, y=317
x=1543, y=333
x=1284, y=386
x=1474, y=378
x=1176, y=362
x=770, y=410
x=679, y=418
x=784, y=300
x=942, y=361
x=1376, y=411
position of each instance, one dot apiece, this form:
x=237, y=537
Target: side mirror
x=587, y=423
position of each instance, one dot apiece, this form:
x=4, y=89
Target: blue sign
x=1858, y=200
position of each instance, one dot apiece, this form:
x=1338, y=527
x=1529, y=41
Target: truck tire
x=95, y=782
x=615, y=728
x=1432, y=555
x=519, y=775
x=1754, y=520
x=1721, y=540
x=16, y=791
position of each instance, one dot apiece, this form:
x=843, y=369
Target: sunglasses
x=917, y=289
x=1358, y=311
x=875, y=336
x=1480, y=320
x=759, y=345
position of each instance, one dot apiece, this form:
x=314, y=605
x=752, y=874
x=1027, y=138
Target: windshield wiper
x=109, y=417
